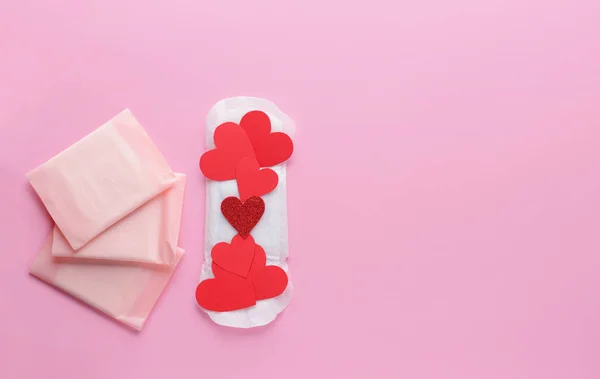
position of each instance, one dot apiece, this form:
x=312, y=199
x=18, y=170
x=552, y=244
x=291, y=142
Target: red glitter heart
x=243, y=216
x=270, y=148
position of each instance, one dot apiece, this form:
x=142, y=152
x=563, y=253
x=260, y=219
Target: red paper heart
x=269, y=281
x=226, y=293
x=270, y=148
x=232, y=144
x=235, y=257
x=243, y=216
x=252, y=181
x=258, y=263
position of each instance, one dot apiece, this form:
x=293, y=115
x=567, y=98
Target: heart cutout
x=258, y=263
x=228, y=292
x=270, y=148
x=243, y=216
x=235, y=257
x=269, y=281
x=232, y=144
x=252, y=181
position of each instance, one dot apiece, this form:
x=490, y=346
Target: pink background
x=443, y=196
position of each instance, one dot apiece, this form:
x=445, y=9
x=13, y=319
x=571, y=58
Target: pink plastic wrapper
x=147, y=235
x=117, y=208
x=125, y=292
x=101, y=179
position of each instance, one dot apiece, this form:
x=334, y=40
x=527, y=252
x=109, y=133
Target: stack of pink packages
x=116, y=205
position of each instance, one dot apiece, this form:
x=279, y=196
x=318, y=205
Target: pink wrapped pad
x=117, y=208
x=101, y=178
x=147, y=235
x=125, y=292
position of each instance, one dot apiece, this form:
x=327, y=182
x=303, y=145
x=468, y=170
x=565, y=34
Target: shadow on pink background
x=443, y=197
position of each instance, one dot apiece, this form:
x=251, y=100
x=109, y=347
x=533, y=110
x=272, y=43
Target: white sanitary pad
x=271, y=232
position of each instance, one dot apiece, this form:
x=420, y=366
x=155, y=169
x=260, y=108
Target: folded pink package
x=117, y=209
x=126, y=293
x=101, y=178
x=147, y=235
